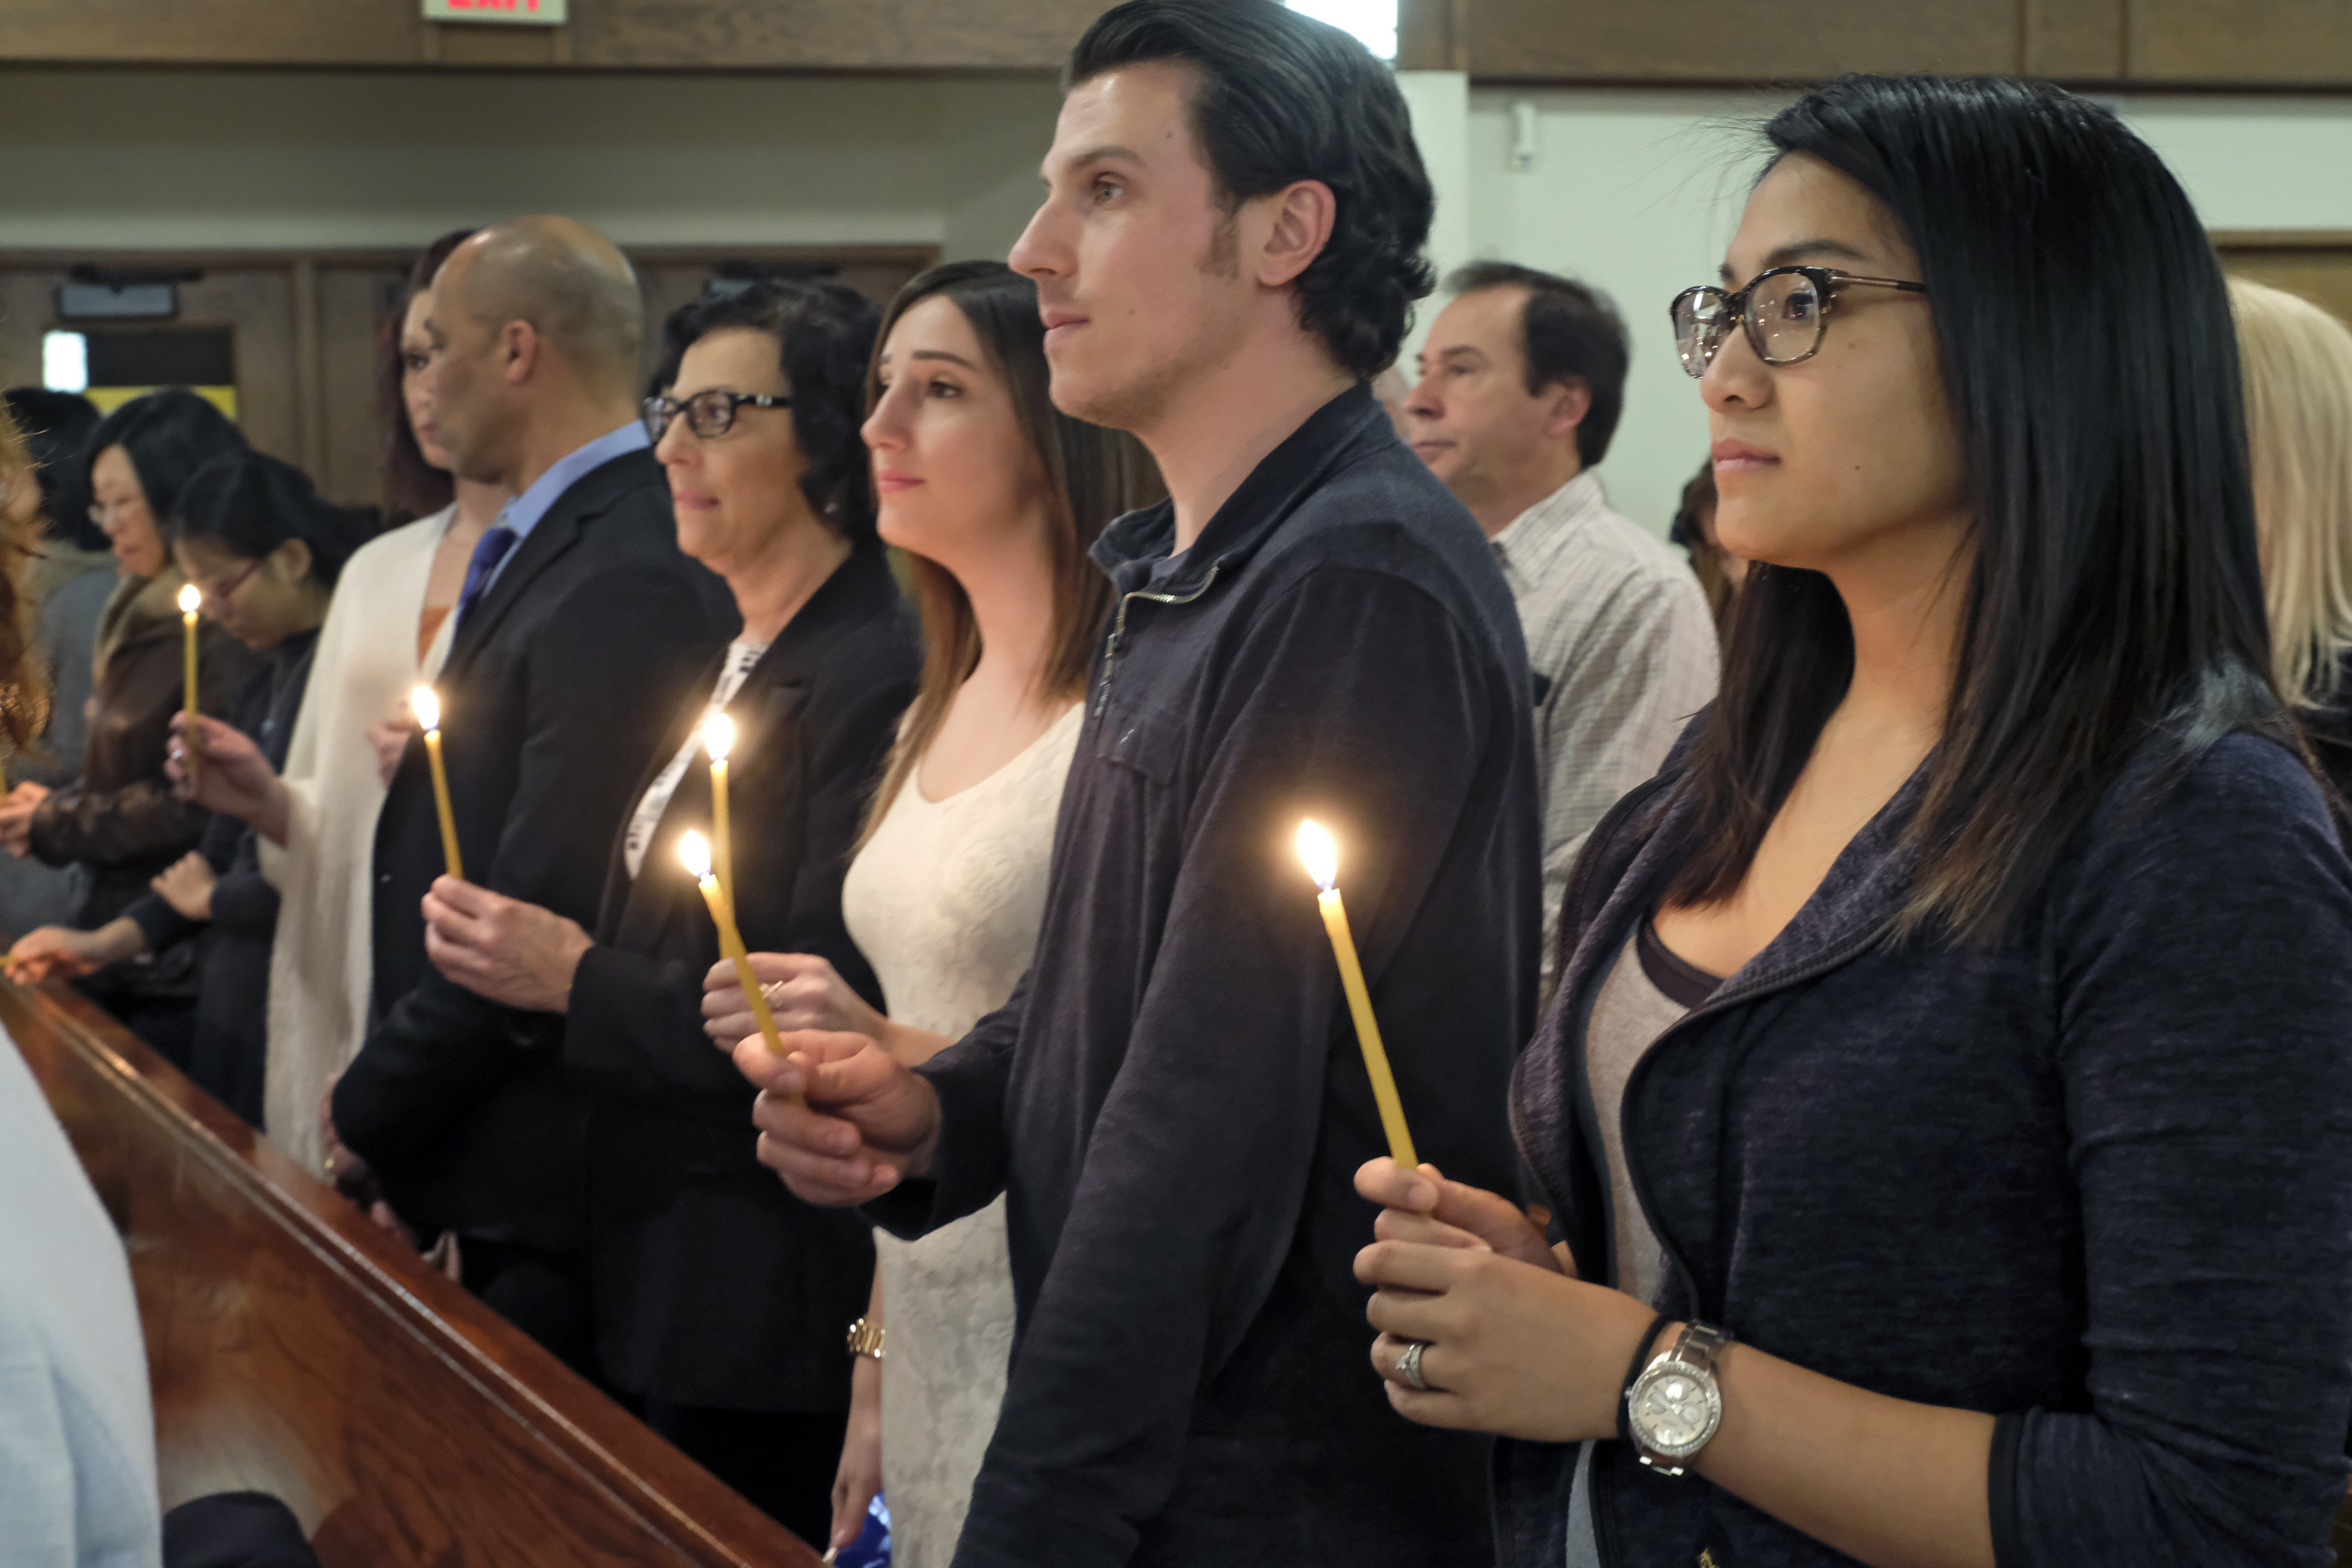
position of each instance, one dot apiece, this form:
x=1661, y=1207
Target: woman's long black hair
x=249, y=503
x=167, y=435
x=2116, y=596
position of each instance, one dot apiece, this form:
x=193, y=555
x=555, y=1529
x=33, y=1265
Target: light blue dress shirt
x=522, y=513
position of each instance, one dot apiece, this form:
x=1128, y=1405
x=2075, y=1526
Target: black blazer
x=713, y=1284
x=557, y=689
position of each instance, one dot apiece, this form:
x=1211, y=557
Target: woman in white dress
x=387, y=632
x=995, y=496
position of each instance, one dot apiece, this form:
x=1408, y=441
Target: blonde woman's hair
x=2298, y=363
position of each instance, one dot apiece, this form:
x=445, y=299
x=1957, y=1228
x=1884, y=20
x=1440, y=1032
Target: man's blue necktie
x=492, y=549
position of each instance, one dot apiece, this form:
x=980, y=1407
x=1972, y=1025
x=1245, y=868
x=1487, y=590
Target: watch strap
x=1697, y=1347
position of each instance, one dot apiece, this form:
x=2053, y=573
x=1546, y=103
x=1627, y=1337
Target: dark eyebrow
x=1790, y=255
x=942, y=354
x=1105, y=153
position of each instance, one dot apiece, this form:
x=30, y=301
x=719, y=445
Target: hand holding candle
x=719, y=739
x=1322, y=857
x=428, y=715
x=191, y=734
x=696, y=854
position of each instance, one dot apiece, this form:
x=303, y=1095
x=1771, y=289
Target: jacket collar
x=860, y=588
x=1333, y=434
x=556, y=531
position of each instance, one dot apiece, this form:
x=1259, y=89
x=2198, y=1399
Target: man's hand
x=16, y=817
x=510, y=952
x=232, y=777
x=187, y=886
x=867, y=1124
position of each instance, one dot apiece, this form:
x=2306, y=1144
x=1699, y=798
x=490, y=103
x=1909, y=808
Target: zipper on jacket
x=1119, y=627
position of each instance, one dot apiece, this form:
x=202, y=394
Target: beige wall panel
x=2287, y=42
x=290, y=32
x=1735, y=40
x=2074, y=40
x=949, y=34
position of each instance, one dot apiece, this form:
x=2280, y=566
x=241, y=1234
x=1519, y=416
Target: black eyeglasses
x=709, y=414
x=1785, y=310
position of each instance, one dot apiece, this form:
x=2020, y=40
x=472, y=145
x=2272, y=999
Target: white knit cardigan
x=320, y=964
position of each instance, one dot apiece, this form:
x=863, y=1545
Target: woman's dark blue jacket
x=2096, y=1179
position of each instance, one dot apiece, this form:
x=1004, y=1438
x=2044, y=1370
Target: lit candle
x=1322, y=857
x=428, y=715
x=696, y=855
x=719, y=739
x=192, y=736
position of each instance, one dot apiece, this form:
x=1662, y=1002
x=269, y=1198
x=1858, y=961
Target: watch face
x=1676, y=1409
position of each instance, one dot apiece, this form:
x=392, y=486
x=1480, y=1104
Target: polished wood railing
x=297, y=1350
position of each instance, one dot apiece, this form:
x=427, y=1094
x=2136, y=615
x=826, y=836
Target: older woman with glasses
x=722, y=1302
x=1943, y=1108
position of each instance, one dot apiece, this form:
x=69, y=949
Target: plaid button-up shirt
x=1623, y=651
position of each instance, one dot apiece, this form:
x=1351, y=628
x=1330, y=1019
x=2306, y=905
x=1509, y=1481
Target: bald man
x=579, y=628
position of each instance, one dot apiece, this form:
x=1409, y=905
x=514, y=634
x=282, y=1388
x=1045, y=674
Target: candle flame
x=427, y=706
x=696, y=855
x=718, y=737
x=1322, y=856
x=189, y=599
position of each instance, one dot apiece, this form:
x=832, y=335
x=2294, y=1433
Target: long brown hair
x=24, y=686
x=1093, y=475
x=413, y=488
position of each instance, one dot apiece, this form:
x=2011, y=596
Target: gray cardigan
x=2097, y=1180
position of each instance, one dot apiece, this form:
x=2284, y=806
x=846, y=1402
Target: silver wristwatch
x=1674, y=1407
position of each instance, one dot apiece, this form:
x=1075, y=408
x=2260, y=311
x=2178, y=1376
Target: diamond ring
x=1409, y=1365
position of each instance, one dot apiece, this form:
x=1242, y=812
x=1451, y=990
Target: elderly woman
x=722, y=1303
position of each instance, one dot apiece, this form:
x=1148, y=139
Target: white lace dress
x=945, y=903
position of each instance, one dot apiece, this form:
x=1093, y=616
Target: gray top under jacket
x=2096, y=1179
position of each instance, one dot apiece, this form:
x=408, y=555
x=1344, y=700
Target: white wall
x=1637, y=192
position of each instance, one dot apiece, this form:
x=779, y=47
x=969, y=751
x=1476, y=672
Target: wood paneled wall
x=668, y=35
x=2245, y=43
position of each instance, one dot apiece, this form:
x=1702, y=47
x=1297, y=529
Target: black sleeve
x=2206, y=1050
x=637, y=1018
x=604, y=678
x=1154, y=1281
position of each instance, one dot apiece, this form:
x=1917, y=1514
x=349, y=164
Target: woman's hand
x=859, y=1480
x=512, y=952
x=805, y=992
x=187, y=886
x=232, y=776
x=55, y=950
x=16, y=817
x=389, y=738
x=1512, y=1345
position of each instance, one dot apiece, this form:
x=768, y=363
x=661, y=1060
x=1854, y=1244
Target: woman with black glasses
x=1944, y=1104
x=722, y=1302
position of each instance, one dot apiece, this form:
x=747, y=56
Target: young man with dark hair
x=1522, y=379
x=1310, y=626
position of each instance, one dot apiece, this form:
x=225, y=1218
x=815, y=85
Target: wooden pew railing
x=294, y=1349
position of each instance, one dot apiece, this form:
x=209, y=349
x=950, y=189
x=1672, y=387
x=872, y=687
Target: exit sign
x=527, y=13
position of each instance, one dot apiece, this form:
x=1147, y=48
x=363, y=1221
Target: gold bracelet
x=865, y=1339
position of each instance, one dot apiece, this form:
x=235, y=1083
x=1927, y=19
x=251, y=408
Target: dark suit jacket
x=713, y=1284
x=558, y=687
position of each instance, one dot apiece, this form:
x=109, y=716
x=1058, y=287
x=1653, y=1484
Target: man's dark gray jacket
x=1174, y=1097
